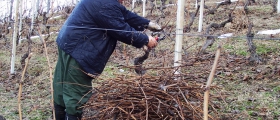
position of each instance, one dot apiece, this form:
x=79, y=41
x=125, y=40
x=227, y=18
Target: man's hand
x=152, y=42
x=154, y=27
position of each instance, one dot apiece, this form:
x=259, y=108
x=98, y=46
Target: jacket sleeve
x=137, y=22
x=111, y=16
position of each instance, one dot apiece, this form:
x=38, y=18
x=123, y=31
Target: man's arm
x=137, y=22
x=110, y=16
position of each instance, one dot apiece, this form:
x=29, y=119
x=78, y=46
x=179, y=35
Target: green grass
x=263, y=9
x=241, y=52
x=109, y=71
x=4, y=56
x=246, y=98
x=263, y=49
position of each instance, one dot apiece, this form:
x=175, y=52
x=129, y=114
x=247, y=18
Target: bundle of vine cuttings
x=161, y=97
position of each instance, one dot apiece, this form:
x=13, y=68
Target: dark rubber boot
x=72, y=117
x=59, y=112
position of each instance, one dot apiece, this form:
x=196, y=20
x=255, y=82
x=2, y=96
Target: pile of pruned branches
x=150, y=97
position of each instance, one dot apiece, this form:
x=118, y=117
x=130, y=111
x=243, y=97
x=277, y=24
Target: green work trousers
x=72, y=87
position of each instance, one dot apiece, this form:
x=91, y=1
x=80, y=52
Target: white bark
x=48, y=5
x=7, y=8
x=36, y=8
x=25, y=5
x=32, y=15
x=179, y=33
x=11, y=10
x=278, y=6
x=20, y=20
x=201, y=16
x=133, y=5
x=144, y=8
x=15, y=33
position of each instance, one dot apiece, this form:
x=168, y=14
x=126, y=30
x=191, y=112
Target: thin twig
x=209, y=81
x=126, y=113
x=20, y=86
x=147, y=107
x=50, y=70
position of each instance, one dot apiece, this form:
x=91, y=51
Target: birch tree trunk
x=15, y=33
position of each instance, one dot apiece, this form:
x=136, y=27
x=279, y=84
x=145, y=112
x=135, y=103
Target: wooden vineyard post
x=144, y=8
x=209, y=81
x=179, y=34
x=15, y=33
x=278, y=6
x=200, y=22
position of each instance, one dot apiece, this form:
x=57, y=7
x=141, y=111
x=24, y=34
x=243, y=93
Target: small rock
x=262, y=114
x=228, y=73
x=245, y=78
x=235, y=111
x=121, y=70
x=228, y=25
x=237, y=68
x=254, y=114
x=250, y=107
x=251, y=99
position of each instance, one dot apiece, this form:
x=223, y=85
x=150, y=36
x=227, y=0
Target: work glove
x=154, y=27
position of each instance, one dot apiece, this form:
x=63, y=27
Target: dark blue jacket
x=84, y=38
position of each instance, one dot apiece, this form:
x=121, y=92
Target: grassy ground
x=246, y=91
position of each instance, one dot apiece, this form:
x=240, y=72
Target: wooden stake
x=20, y=86
x=209, y=81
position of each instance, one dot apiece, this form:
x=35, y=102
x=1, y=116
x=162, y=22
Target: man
x=85, y=43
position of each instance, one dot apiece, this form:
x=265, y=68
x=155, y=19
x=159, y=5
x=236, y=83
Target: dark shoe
x=59, y=112
x=72, y=117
